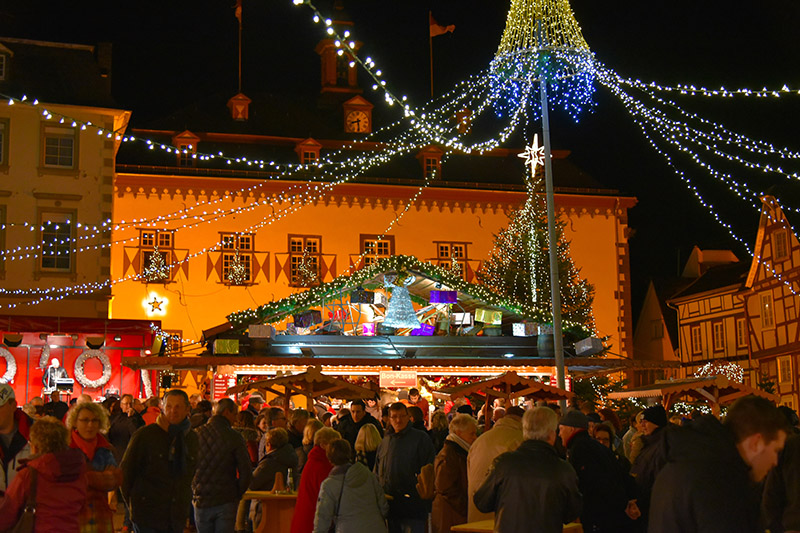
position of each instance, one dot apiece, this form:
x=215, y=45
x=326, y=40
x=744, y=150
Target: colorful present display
x=424, y=330
x=368, y=329
x=461, y=319
x=308, y=318
x=489, y=316
x=362, y=296
x=226, y=347
x=444, y=297
x=588, y=346
x=261, y=331
x=525, y=329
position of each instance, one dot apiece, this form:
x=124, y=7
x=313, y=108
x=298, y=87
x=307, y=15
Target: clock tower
x=339, y=72
x=357, y=113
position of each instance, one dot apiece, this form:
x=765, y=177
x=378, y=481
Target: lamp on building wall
x=95, y=342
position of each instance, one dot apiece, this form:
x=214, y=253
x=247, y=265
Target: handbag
x=25, y=524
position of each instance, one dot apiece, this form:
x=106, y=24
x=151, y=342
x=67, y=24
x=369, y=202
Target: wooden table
x=276, y=510
x=487, y=526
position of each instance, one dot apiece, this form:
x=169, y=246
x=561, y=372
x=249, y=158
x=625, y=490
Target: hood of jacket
x=356, y=476
x=60, y=467
x=704, y=439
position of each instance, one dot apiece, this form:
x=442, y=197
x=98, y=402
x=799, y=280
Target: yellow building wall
x=596, y=226
x=27, y=188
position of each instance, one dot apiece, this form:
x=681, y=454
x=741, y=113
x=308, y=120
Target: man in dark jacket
x=600, y=478
x=400, y=457
x=158, y=468
x=653, y=455
x=531, y=489
x=350, y=425
x=710, y=481
x=223, y=470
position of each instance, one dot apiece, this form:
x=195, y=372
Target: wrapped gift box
x=361, y=296
x=444, y=297
x=588, y=346
x=368, y=329
x=308, y=319
x=424, y=330
x=461, y=319
x=226, y=347
x=489, y=316
x=492, y=331
x=261, y=331
x=380, y=299
x=525, y=329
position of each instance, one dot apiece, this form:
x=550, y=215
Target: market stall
x=715, y=391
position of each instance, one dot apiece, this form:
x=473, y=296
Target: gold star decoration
x=155, y=305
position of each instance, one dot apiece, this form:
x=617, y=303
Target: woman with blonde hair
x=86, y=421
x=367, y=442
x=312, y=426
x=59, y=475
x=316, y=470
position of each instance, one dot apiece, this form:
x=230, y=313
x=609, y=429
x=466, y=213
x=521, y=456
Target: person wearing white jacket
x=351, y=497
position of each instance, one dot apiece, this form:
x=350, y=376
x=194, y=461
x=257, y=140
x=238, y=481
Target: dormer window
x=239, y=107
x=431, y=160
x=308, y=151
x=186, y=143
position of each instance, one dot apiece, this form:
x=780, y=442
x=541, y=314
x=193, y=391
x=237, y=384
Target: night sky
x=168, y=53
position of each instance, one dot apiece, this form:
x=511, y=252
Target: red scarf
x=88, y=447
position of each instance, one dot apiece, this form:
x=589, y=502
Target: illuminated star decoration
x=155, y=305
x=533, y=155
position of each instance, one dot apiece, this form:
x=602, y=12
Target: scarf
x=177, y=447
x=88, y=447
x=458, y=440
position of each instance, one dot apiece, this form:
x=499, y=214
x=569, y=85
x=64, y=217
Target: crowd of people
x=186, y=462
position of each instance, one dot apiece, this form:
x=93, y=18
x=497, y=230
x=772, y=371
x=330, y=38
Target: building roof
x=58, y=73
x=718, y=277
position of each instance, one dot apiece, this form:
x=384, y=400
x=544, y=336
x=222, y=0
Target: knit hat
x=594, y=417
x=6, y=394
x=656, y=414
x=575, y=419
x=465, y=409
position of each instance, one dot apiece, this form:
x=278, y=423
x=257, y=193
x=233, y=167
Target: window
x=56, y=240
x=767, y=311
x=431, y=165
x=784, y=369
x=741, y=333
x=156, y=255
x=237, y=248
x=60, y=147
x=780, y=245
x=4, y=126
x=658, y=329
x=305, y=256
x=343, y=70
x=3, y=66
x=697, y=340
x=374, y=249
x=719, y=336
x=309, y=157
x=452, y=255
x=172, y=343
x=186, y=155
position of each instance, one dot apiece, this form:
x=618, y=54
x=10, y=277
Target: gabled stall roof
x=508, y=385
x=311, y=383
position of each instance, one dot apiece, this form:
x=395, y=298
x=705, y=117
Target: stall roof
x=508, y=385
x=716, y=390
x=310, y=383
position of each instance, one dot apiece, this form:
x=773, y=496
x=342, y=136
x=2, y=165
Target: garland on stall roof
x=146, y=383
x=11, y=366
x=80, y=375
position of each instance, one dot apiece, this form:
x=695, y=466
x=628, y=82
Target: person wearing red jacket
x=15, y=427
x=61, y=482
x=316, y=470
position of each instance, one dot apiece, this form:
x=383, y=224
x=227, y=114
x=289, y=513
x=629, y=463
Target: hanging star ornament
x=155, y=305
x=533, y=155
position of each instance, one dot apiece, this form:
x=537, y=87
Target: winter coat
x=359, y=505
x=781, y=503
x=400, y=458
x=157, y=498
x=505, y=436
x=316, y=470
x=705, y=485
x=61, y=487
x=150, y=415
x=350, y=428
x=531, y=490
x=450, y=483
x=438, y=436
x=17, y=452
x=223, y=464
x=280, y=460
x=120, y=432
x=602, y=483
x=103, y=476
x=649, y=462
x=251, y=438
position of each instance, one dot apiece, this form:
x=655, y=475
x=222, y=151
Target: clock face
x=357, y=122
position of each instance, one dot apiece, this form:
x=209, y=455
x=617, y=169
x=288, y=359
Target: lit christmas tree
x=237, y=272
x=519, y=264
x=156, y=269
